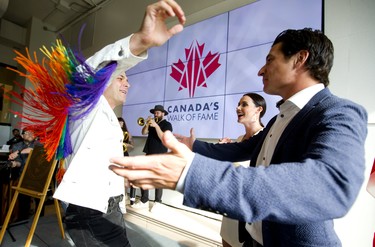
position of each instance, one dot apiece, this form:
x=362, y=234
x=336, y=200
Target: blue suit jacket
x=315, y=175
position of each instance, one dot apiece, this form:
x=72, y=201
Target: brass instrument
x=126, y=138
x=141, y=121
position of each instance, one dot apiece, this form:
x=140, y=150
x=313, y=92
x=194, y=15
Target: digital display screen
x=200, y=74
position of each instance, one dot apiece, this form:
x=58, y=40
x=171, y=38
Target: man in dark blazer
x=306, y=167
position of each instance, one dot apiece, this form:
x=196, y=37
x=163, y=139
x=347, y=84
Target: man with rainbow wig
x=71, y=109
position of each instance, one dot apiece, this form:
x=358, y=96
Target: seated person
x=21, y=150
x=18, y=158
x=15, y=139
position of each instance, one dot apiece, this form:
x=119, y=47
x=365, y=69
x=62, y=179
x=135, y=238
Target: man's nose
x=126, y=84
x=261, y=71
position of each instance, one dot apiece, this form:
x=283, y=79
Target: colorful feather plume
x=65, y=89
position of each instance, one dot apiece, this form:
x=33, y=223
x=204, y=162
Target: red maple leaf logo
x=196, y=71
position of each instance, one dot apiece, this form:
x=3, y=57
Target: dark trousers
x=245, y=237
x=251, y=244
x=89, y=227
x=158, y=195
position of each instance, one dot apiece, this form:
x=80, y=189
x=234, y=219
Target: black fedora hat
x=159, y=108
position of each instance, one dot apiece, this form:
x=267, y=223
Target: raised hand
x=154, y=31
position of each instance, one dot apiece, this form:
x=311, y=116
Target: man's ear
x=300, y=58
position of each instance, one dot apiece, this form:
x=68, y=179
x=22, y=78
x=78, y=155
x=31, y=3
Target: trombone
x=141, y=121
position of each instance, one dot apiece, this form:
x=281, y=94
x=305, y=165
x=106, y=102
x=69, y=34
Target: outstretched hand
x=154, y=171
x=225, y=140
x=154, y=31
x=187, y=140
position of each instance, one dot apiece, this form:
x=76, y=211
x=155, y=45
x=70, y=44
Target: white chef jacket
x=96, y=138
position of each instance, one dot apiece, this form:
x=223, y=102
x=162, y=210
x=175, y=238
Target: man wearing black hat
x=154, y=128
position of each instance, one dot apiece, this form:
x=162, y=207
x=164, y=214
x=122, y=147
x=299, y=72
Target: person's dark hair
x=258, y=101
x=124, y=128
x=320, y=48
x=14, y=130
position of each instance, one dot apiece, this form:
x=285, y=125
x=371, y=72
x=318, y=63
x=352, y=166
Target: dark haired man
x=307, y=165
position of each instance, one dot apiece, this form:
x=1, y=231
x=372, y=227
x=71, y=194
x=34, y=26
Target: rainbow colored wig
x=65, y=89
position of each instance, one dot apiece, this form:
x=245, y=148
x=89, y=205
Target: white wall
x=349, y=24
